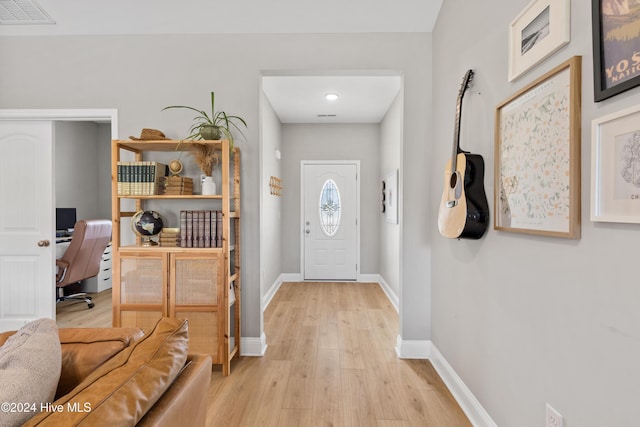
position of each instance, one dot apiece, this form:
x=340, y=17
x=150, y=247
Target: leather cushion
x=4, y=336
x=84, y=349
x=29, y=370
x=125, y=387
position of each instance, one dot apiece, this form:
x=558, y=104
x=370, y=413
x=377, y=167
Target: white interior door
x=27, y=236
x=330, y=221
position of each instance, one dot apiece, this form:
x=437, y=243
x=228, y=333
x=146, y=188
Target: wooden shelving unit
x=199, y=284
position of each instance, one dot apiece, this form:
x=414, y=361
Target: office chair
x=82, y=258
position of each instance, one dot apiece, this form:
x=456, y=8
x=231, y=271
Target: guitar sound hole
x=453, y=181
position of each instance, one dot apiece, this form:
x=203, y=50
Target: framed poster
x=537, y=156
x=616, y=47
x=542, y=28
x=615, y=167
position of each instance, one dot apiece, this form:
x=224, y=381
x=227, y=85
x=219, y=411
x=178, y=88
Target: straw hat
x=149, y=134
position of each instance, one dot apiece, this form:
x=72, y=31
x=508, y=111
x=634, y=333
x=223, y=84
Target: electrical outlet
x=554, y=419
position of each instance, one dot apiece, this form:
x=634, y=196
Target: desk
x=61, y=246
x=102, y=281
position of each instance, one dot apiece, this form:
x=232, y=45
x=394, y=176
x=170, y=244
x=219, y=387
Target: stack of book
x=176, y=185
x=170, y=237
x=201, y=229
x=140, y=178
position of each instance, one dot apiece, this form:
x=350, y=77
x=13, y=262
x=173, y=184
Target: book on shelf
x=200, y=229
x=140, y=178
x=169, y=237
x=176, y=185
x=207, y=228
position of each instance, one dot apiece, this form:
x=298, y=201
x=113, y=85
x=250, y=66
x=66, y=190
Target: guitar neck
x=456, y=137
x=456, y=134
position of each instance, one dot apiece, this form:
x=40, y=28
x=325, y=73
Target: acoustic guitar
x=464, y=211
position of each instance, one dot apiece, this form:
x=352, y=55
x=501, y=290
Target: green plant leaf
x=220, y=118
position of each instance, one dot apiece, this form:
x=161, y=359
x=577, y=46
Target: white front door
x=330, y=221
x=27, y=238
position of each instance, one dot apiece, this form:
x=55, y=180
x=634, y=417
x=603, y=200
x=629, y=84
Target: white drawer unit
x=102, y=281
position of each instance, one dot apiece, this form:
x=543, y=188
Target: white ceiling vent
x=23, y=12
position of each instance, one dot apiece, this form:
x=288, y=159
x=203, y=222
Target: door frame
x=59, y=115
x=304, y=163
x=103, y=115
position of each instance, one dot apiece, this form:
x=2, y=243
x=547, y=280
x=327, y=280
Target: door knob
x=307, y=231
x=44, y=243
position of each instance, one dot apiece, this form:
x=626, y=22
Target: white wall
x=390, y=149
x=271, y=218
x=104, y=169
x=141, y=74
x=526, y=320
x=83, y=168
x=331, y=142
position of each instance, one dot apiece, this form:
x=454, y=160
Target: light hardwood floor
x=73, y=314
x=330, y=362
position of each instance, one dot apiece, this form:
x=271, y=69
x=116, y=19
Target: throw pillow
x=30, y=363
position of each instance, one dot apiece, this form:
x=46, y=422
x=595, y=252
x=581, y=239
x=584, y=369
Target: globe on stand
x=147, y=224
x=175, y=166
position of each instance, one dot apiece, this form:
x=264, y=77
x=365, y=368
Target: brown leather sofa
x=120, y=376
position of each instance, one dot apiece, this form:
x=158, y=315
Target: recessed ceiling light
x=331, y=96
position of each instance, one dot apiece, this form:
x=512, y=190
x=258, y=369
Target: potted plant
x=215, y=126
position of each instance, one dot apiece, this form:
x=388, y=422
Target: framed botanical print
x=537, y=156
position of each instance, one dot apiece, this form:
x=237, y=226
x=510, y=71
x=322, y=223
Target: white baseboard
x=284, y=277
x=393, y=297
x=368, y=278
x=253, y=346
x=290, y=277
x=406, y=349
x=472, y=408
x=477, y=415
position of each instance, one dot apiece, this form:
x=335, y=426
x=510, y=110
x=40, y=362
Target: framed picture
x=391, y=197
x=615, y=167
x=537, y=156
x=616, y=47
x=542, y=28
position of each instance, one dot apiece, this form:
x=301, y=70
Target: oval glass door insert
x=330, y=208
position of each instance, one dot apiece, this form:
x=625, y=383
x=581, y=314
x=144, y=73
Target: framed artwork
x=616, y=47
x=391, y=197
x=537, y=156
x=542, y=28
x=615, y=167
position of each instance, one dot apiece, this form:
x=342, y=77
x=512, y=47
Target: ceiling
x=241, y=16
x=363, y=97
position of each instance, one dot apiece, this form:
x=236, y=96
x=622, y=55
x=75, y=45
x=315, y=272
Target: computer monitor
x=65, y=219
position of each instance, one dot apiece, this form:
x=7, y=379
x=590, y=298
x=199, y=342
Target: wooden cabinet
x=199, y=284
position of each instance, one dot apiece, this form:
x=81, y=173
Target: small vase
x=210, y=132
x=208, y=186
